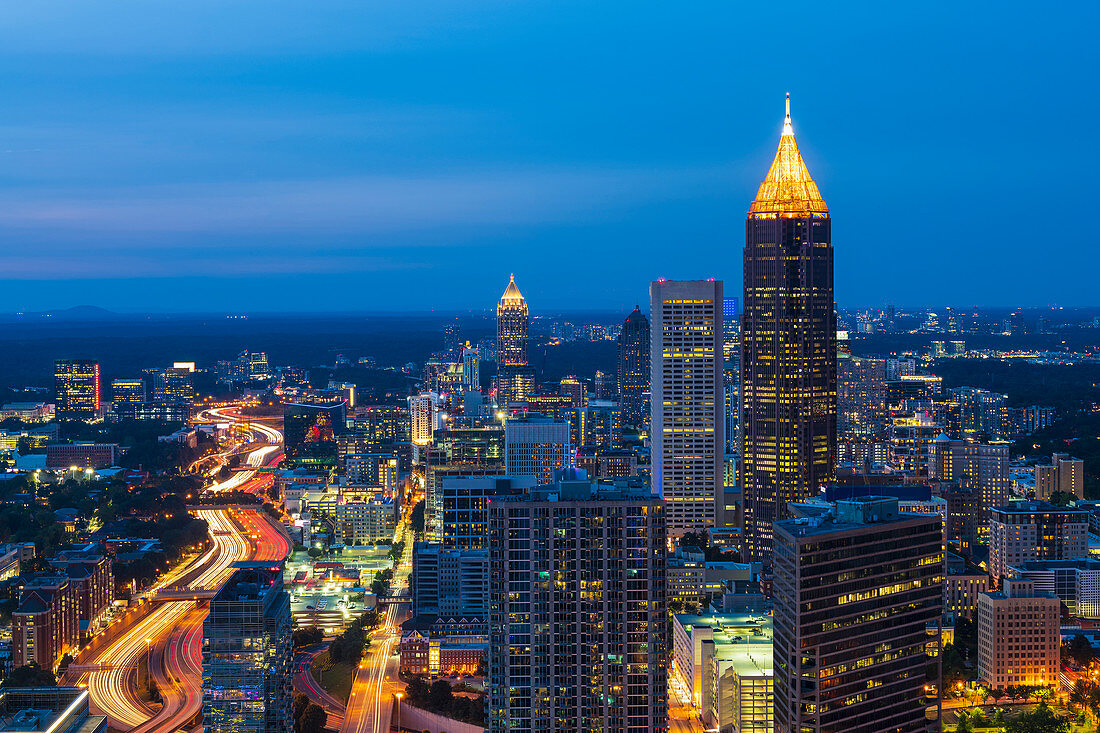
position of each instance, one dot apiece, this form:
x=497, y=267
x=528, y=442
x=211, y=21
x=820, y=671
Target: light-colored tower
x=515, y=379
x=512, y=319
x=788, y=346
x=686, y=424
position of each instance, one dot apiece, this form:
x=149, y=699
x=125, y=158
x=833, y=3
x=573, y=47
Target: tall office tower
x=1027, y=531
x=257, y=365
x=471, y=368
x=578, y=624
x=127, y=392
x=178, y=383
x=981, y=467
x=536, y=446
x=246, y=653
x=604, y=385
x=788, y=346
x=855, y=591
x=861, y=396
x=1019, y=636
x=686, y=426
x=77, y=385
x=575, y=390
x=451, y=338
x=423, y=417
x=633, y=373
x=310, y=433
x=513, y=371
x=731, y=372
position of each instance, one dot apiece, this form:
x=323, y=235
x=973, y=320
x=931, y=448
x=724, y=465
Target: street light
x=398, y=695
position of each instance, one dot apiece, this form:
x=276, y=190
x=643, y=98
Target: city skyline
x=239, y=164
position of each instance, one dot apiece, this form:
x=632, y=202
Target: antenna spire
x=787, y=129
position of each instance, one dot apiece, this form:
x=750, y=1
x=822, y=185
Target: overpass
x=165, y=595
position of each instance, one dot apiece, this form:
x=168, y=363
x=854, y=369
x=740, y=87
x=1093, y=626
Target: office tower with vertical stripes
x=687, y=426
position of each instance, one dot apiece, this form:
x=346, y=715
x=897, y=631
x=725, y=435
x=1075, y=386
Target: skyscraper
x=731, y=372
x=536, y=446
x=687, y=430
x=634, y=369
x=76, y=382
x=578, y=627
x=788, y=346
x=855, y=589
x=246, y=653
x=310, y=434
x=515, y=379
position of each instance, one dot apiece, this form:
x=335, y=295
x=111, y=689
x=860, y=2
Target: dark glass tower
x=634, y=369
x=788, y=346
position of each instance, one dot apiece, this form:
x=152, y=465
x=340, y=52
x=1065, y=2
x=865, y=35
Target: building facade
x=578, y=637
x=1019, y=639
x=855, y=590
x=788, y=346
x=686, y=424
x=633, y=374
x=536, y=446
x=1029, y=531
x=76, y=383
x=246, y=654
x=514, y=377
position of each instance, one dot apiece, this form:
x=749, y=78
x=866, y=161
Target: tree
x=313, y=719
x=301, y=702
x=417, y=517
x=1061, y=498
x=1079, y=650
x=314, y=552
x=418, y=691
x=440, y=697
x=307, y=636
x=30, y=675
x=1040, y=720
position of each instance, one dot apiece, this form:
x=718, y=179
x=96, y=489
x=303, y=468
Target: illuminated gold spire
x=511, y=292
x=788, y=190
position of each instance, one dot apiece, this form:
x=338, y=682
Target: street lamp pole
x=398, y=695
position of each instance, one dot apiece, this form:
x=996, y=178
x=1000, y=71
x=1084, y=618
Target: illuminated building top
x=788, y=190
x=512, y=295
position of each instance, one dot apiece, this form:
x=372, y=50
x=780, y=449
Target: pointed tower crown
x=788, y=190
x=512, y=293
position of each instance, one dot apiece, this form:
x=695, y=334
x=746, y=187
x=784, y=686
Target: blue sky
x=227, y=155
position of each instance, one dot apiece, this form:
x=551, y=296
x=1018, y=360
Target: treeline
x=440, y=698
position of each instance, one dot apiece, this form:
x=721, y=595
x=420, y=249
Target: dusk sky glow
x=283, y=156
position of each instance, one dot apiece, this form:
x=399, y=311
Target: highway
x=370, y=705
x=169, y=639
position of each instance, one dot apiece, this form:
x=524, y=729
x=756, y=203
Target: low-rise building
x=1076, y=583
x=724, y=663
x=364, y=522
x=1018, y=636
x=82, y=455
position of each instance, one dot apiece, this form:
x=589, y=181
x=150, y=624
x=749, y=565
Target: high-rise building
x=77, y=385
x=471, y=368
x=515, y=378
x=982, y=467
x=574, y=389
x=127, y=392
x=450, y=583
x=246, y=653
x=731, y=372
x=424, y=417
x=464, y=507
x=310, y=434
x=578, y=624
x=856, y=589
x=686, y=425
x=602, y=426
x=633, y=374
x=1062, y=474
x=1027, y=531
x=179, y=383
x=536, y=446
x=1019, y=639
x=788, y=346
x=861, y=397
